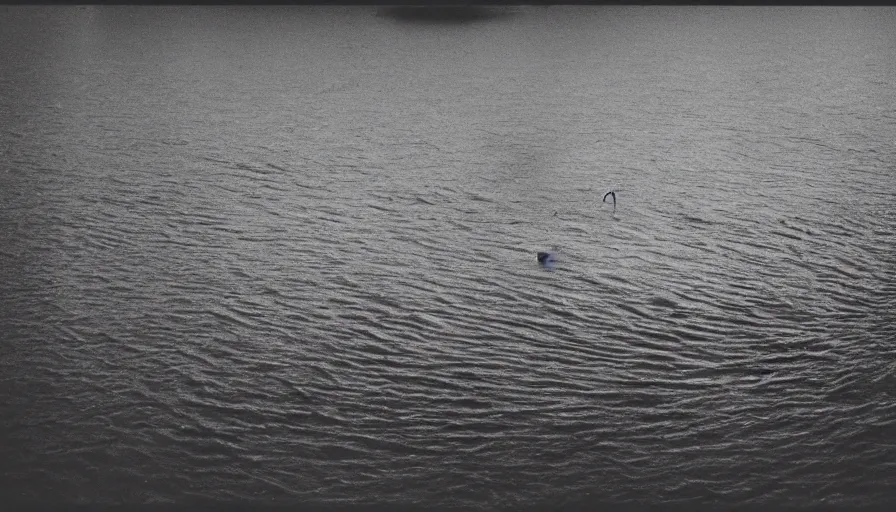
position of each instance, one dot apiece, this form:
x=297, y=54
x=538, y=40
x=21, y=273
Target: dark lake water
x=288, y=255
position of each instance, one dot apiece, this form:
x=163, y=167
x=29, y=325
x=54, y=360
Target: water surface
x=288, y=254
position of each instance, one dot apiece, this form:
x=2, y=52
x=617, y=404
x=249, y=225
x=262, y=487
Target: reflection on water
x=444, y=14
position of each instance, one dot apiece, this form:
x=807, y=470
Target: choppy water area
x=288, y=255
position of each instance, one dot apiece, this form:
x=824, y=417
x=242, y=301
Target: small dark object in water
x=545, y=258
x=611, y=193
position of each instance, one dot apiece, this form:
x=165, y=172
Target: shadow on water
x=442, y=14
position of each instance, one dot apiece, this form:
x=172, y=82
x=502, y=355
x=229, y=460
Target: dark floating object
x=546, y=259
x=440, y=13
x=611, y=193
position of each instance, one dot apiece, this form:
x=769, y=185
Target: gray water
x=288, y=255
